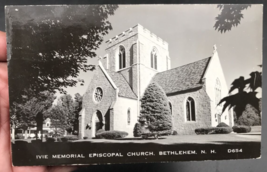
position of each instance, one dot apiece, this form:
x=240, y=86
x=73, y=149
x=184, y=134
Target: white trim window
x=190, y=109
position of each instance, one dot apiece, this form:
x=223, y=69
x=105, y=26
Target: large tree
x=31, y=113
x=59, y=120
x=65, y=113
x=50, y=45
x=65, y=104
x=155, y=109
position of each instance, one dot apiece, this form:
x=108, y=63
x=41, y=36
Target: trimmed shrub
x=69, y=138
x=165, y=133
x=155, y=109
x=19, y=136
x=50, y=139
x=111, y=134
x=213, y=130
x=85, y=138
x=137, y=130
x=241, y=129
x=174, y=132
x=222, y=124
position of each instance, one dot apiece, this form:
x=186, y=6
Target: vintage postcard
x=103, y=84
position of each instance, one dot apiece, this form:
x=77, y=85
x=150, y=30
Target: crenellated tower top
x=137, y=29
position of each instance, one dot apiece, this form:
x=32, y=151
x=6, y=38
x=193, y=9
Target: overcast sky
x=189, y=31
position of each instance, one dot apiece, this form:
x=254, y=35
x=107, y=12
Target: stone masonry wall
x=129, y=43
x=109, y=95
x=203, y=111
x=128, y=72
x=146, y=46
x=138, y=43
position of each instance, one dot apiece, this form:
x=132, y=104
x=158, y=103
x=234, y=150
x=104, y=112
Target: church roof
x=182, y=78
x=124, y=88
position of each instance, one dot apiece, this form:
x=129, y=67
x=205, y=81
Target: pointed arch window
x=122, y=59
x=217, y=91
x=190, y=109
x=154, y=57
x=129, y=116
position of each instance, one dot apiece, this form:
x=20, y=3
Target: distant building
x=32, y=130
x=136, y=58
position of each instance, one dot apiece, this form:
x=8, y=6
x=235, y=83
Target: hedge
x=241, y=129
x=165, y=133
x=222, y=124
x=111, y=134
x=213, y=130
x=69, y=138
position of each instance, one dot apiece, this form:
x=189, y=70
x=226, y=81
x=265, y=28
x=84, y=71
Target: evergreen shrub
x=241, y=129
x=213, y=130
x=155, y=109
x=111, y=134
x=222, y=124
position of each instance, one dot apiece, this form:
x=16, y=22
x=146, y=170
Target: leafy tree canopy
x=65, y=113
x=31, y=112
x=246, y=94
x=50, y=45
x=229, y=17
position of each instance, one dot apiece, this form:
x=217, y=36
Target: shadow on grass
x=233, y=143
x=139, y=138
x=250, y=134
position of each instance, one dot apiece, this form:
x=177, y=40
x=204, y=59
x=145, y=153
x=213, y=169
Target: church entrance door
x=97, y=122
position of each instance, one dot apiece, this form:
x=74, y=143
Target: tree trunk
x=39, y=122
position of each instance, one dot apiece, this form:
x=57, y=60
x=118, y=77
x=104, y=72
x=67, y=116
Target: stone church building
x=133, y=60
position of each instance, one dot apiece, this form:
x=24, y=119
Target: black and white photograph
x=105, y=84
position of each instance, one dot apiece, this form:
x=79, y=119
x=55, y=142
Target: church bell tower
x=138, y=55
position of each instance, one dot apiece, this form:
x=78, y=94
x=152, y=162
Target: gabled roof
x=124, y=88
x=182, y=78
